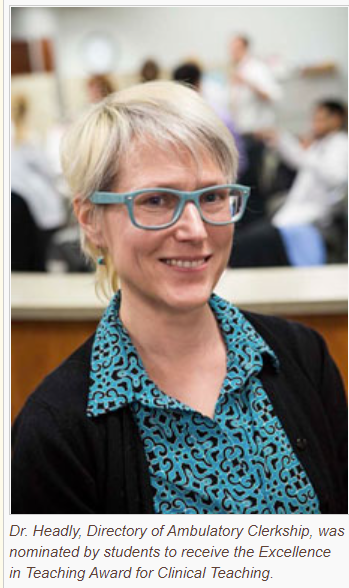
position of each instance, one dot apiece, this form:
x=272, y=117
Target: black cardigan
x=65, y=462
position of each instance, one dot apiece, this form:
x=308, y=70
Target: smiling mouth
x=186, y=263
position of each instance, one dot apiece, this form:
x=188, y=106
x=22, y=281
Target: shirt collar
x=246, y=349
x=118, y=377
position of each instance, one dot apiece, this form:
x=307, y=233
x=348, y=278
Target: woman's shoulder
x=293, y=343
x=275, y=326
x=291, y=340
x=304, y=359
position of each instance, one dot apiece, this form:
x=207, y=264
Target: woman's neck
x=163, y=333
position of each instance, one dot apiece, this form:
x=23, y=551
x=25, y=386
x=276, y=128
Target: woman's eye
x=150, y=200
x=213, y=197
x=154, y=201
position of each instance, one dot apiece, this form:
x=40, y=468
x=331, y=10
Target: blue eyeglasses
x=160, y=208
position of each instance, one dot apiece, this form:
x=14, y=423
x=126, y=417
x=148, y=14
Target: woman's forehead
x=164, y=165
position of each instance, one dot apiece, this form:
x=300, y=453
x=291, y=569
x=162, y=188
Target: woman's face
x=150, y=263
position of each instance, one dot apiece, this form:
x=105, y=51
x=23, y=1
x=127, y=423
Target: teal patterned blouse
x=240, y=461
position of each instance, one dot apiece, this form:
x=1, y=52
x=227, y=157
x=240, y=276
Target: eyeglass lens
x=152, y=209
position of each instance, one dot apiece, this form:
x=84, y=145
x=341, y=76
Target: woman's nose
x=190, y=224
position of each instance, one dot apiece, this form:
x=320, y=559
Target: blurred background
x=54, y=51
x=62, y=59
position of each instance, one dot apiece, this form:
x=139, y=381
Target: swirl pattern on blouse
x=241, y=461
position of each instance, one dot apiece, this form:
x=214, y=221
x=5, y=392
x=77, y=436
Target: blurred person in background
x=150, y=71
x=321, y=161
x=37, y=207
x=99, y=86
x=179, y=402
x=191, y=73
x=309, y=227
x=254, y=93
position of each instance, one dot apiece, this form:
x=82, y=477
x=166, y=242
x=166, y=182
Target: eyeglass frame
x=184, y=197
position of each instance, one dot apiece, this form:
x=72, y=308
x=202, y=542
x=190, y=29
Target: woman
x=179, y=403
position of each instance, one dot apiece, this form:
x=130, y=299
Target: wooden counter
x=53, y=314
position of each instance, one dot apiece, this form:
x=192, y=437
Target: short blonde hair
x=94, y=148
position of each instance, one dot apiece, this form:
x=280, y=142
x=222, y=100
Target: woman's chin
x=188, y=299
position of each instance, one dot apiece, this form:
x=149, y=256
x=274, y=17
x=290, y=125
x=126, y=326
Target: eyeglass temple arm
x=107, y=198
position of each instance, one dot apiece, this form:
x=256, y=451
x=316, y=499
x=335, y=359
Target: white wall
x=299, y=36
x=171, y=34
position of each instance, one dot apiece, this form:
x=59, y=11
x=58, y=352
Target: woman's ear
x=89, y=220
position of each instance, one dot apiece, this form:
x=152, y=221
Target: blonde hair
x=95, y=147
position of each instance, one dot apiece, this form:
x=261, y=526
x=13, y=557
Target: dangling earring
x=101, y=260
